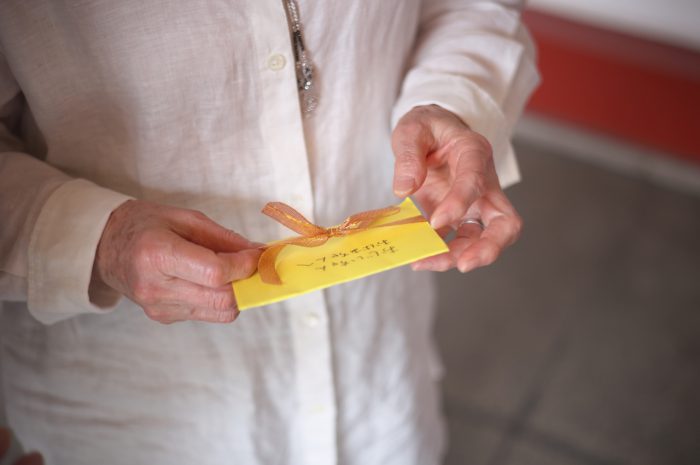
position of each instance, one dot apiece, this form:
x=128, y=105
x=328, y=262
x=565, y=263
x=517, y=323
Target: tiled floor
x=581, y=346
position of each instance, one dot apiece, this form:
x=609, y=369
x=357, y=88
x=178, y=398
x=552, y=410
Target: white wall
x=673, y=21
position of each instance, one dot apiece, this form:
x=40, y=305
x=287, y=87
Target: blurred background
x=581, y=346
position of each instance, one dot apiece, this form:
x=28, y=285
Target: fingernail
x=258, y=245
x=403, y=185
x=417, y=266
x=439, y=220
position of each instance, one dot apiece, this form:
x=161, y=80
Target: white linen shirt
x=195, y=104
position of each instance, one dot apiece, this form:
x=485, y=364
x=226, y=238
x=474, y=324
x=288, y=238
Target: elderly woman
x=137, y=136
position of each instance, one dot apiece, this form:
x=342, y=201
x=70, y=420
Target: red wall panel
x=624, y=86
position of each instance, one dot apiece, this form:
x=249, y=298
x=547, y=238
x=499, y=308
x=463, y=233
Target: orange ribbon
x=313, y=235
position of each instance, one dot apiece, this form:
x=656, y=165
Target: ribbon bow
x=313, y=235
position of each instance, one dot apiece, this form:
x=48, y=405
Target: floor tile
x=587, y=332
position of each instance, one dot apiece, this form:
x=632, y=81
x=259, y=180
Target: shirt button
x=312, y=319
x=276, y=62
x=318, y=409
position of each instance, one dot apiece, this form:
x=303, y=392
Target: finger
x=466, y=235
x=169, y=314
x=411, y=141
x=212, y=316
x=472, y=168
x=34, y=458
x=470, y=230
x=441, y=262
x=199, y=265
x=214, y=300
x=182, y=300
x=179, y=300
x=499, y=234
x=444, y=231
x=241, y=264
x=202, y=230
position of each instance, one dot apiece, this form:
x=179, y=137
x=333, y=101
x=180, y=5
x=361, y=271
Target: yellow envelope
x=342, y=259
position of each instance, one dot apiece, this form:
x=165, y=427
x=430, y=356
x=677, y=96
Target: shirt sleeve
x=50, y=224
x=475, y=59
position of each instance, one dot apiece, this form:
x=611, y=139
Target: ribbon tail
x=289, y=217
x=266, y=264
x=268, y=259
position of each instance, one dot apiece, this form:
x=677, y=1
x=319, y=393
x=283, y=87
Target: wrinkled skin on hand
x=177, y=264
x=449, y=169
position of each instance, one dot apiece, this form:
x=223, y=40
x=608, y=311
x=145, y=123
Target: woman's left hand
x=449, y=170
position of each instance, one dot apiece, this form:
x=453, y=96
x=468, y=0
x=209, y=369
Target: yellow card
x=342, y=259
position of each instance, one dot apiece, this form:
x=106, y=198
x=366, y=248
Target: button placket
x=283, y=132
x=314, y=367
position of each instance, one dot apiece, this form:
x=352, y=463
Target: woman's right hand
x=177, y=264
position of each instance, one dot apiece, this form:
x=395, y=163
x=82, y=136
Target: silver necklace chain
x=304, y=67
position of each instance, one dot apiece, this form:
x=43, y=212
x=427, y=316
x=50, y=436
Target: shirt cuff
x=472, y=105
x=62, y=251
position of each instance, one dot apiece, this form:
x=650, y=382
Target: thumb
x=204, y=231
x=411, y=141
x=241, y=265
